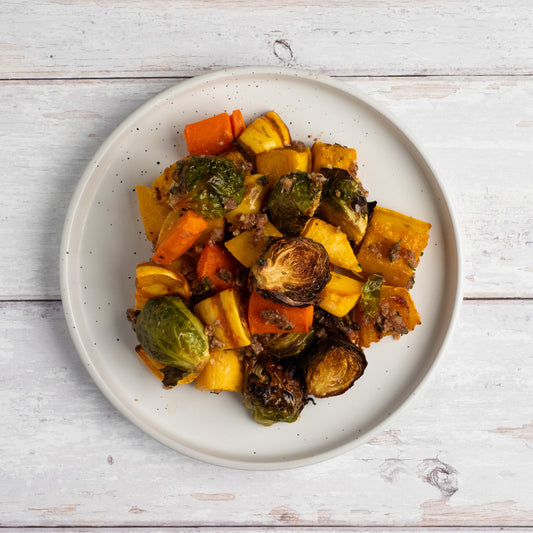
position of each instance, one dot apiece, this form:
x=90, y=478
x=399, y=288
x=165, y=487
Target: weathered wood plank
x=269, y=529
x=458, y=455
x=184, y=38
x=478, y=132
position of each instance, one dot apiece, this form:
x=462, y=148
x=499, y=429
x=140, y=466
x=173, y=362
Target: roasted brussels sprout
x=334, y=367
x=286, y=344
x=294, y=200
x=273, y=389
x=343, y=203
x=292, y=271
x=171, y=334
x=324, y=321
x=210, y=186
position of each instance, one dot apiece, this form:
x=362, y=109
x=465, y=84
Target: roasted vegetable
x=169, y=376
x=334, y=241
x=266, y=316
x=223, y=372
x=153, y=211
x=179, y=236
x=332, y=156
x=396, y=315
x=292, y=271
x=265, y=133
x=392, y=246
x=257, y=188
x=218, y=265
x=248, y=246
x=293, y=200
x=273, y=389
x=223, y=314
x=340, y=295
x=209, y=136
x=282, y=161
x=343, y=203
x=171, y=334
x=152, y=279
x=334, y=367
x=345, y=326
x=210, y=186
x=286, y=344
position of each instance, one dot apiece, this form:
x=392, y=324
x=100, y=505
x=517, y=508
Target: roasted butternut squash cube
x=248, y=246
x=332, y=156
x=223, y=372
x=396, y=315
x=340, y=294
x=277, y=163
x=334, y=241
x=392, y=246
x=224, y=313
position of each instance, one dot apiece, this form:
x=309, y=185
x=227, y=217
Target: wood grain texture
x=459, y=75
x=478, y=133
x=458, y=455
x=85, y=38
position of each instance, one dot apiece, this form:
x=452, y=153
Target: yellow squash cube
x=334, y=241
x=340, y=294
x=332, y=156
x=397, y=315
x=223, y=312
x=277, y=163
x=392, y=246
x=248, y=246
x=223, y=372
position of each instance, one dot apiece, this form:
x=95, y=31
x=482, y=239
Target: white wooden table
x=459, y=74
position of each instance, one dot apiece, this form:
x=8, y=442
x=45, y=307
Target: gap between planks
x=62, y=79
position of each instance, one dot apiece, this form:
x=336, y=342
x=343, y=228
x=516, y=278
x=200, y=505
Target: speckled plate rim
x=69, y=306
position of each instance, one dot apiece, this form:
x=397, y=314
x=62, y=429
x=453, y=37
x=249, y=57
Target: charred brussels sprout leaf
x=292, y=271
x=210, y=186
x=170, y=333
x=334, y=367
x=273, y=390
x=371, y=294
x=293, y=201
x=286, y=344
x=343, y=203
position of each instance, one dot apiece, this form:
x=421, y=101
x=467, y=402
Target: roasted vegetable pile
x=271, y=270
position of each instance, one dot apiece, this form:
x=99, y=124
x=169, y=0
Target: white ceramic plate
x=103, y=240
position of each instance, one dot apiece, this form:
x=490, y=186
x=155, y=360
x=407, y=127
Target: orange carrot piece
x=237, y=123
x=212, y=259
x=209, y=136
x=259, y=309
x=180, y=237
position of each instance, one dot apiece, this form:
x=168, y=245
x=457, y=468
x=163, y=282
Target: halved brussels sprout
x=293, y=201
x=171, y=334
x=343, y=203
x=286, y=344
x=273, y=390
x=292, y=271
x=208, y=185
x=334, y=367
